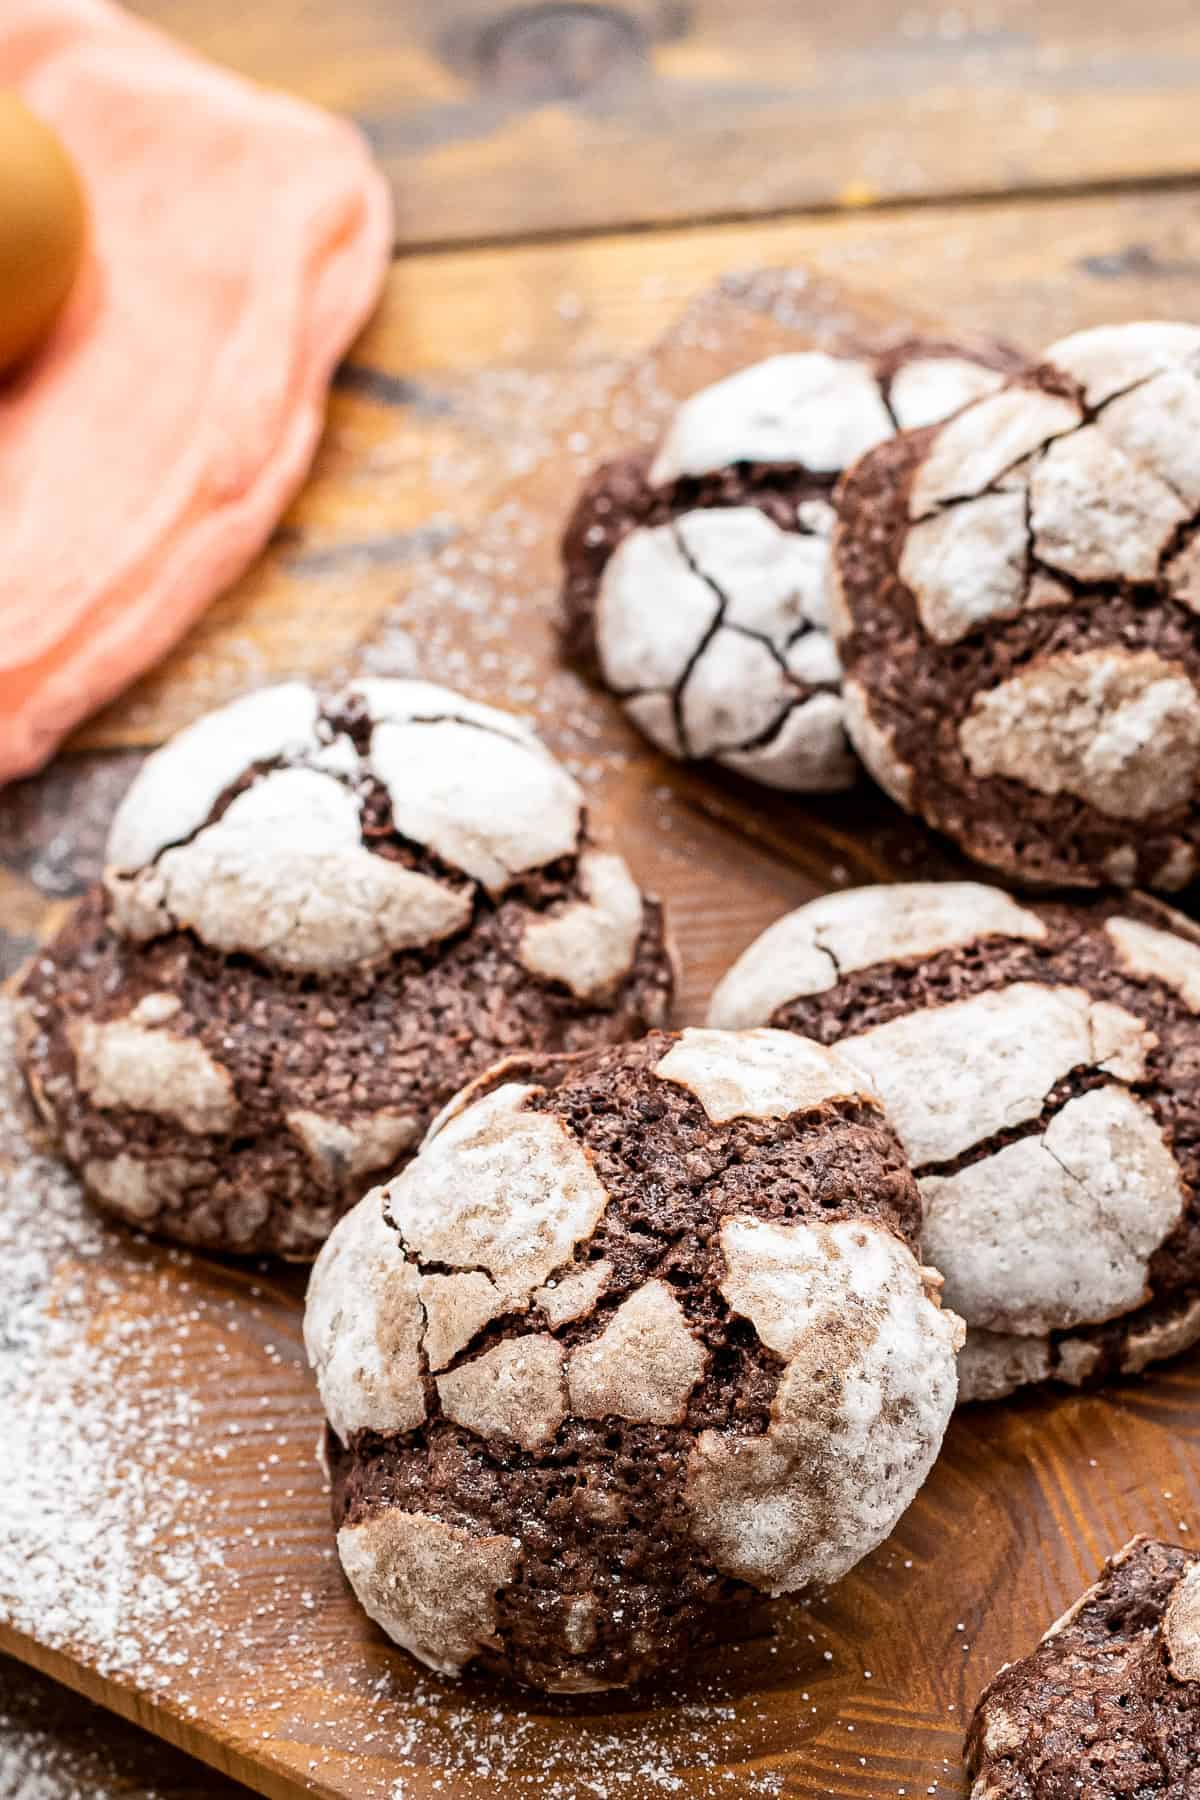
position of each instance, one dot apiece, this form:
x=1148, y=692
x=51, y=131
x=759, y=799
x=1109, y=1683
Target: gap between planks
x=884, y=205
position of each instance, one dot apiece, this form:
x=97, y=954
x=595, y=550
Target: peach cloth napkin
x=239, y=241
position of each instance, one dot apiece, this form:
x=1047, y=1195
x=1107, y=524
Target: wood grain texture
x=267, y=1669
x=498, y=119
x=495, y=122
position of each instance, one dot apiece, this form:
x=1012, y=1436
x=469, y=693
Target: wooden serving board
x=164, y=1536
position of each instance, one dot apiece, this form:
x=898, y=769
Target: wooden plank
x=477, y=361
x=497, y=120
x=201, y=1596
x=57, y=1746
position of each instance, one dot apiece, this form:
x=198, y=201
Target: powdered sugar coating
x=859, y=1413
x=967, y=564
x=124, y=1064
x=284, y=872
x=338, y=1148
x=757, y=1074
x=1103, y=1705
x=363, y=1323
x=992, y=1365
x=572, y=1295
x=284, y=876
x=1097, y=513
x=701, y=586
x=807, y=754
x=432, y=926
x=137, y=1190
x=876, y=745
x=391, y=702
x=713, y=630
x=951, y=1076
x=456, y=1308
x=514, y=1390
x=774, y=581
x=804, y=407
x=1168, y=956
x=973, y=450
x=1121, y=731
x=498, y=1188
x=1109, y=358
x=1157, y=1339
x=431, y=1586
x=642, y=1366
x=643, y=646
x=176, y=788
x=1037, y=1113
x=925, y=389
x=737, y=690
x=492, y=806
x=810, y=950
x=1057, y=1230
x=1181, y=1627
x=590, y=944
x=654, y=716
x=1155, y=426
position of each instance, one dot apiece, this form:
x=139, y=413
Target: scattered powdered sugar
x=57, y=1746
x=675, y=1752
x=482, y=610
x=97, y=1550
x=36, y=1764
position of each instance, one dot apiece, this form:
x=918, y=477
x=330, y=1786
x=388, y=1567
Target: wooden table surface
x=567, y=177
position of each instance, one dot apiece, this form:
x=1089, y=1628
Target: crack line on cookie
x=1083, y=1079
x=705, y=640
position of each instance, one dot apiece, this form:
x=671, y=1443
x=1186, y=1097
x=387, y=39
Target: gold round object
x=43, y=228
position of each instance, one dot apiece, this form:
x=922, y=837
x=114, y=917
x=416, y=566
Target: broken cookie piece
x=638, y=1337
x=1038, y=1063
x=1107, y=1707
x=696, y=579
x=1016, y=605
x=319, y=917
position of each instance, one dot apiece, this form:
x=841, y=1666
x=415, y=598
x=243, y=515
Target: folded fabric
x=238, y=242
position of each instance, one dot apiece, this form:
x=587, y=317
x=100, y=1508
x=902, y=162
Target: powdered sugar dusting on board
x=684, y=1750
x=88, y=1445
x=484, y=611
x=55, y=1746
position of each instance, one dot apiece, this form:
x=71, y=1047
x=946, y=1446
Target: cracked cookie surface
x=696, y=579
x=319, y=917
x=639, y=1337
x=1015, y=600
x=1039, y=1063
x=1107, y=1707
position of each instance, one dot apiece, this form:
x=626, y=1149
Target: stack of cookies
x=619, y=1328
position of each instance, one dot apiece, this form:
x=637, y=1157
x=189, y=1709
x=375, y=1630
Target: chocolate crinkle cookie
x=1108, y=1705
x=1041, y=1066
x=639, y=1337
x=1016, y=600
x=318, y=919
x=696, y=577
